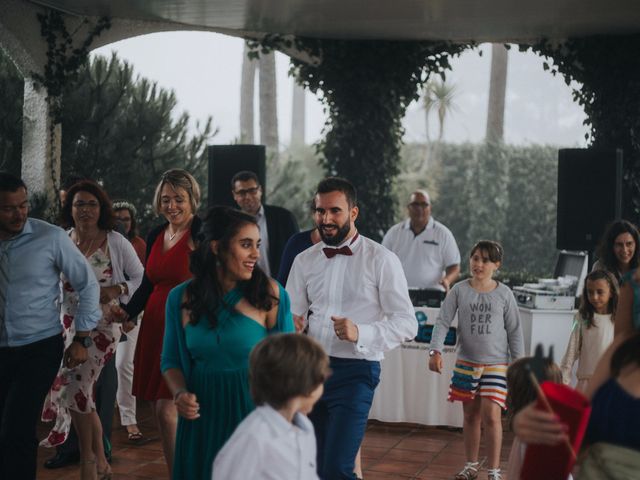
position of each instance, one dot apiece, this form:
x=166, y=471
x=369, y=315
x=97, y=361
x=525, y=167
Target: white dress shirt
x=265, y=446
x=425, y=256
x=368, y=287
x=263, y=261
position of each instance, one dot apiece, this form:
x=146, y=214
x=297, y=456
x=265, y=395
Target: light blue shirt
x=36, y=258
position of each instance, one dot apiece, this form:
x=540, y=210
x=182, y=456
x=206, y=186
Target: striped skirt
x=470, y=379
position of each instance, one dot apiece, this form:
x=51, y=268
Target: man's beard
x=339, y=236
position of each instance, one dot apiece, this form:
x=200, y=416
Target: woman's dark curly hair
x=605, y=249
x=204, y=292
x=106, y=221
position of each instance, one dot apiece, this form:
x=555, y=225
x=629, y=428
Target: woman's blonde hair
x=178, y=178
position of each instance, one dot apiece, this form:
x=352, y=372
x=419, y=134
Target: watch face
x=84, y=341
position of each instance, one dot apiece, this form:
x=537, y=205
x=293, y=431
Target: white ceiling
x=457, y=20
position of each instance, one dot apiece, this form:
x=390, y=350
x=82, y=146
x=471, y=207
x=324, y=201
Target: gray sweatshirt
x=489, y=328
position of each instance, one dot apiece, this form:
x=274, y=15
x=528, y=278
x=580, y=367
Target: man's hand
x=187, y=405
x=446, y=283
x=299, y=323
x=535, y=426
x=75, y=355
x=345, y=329
x=109, y=293
x=435, y=362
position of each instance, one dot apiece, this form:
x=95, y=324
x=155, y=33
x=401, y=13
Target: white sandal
x=469, y=472
x=494, y=474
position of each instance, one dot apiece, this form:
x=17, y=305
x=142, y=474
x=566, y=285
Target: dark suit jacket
x=281, y=224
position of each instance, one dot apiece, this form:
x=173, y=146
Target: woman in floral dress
x=87, y=210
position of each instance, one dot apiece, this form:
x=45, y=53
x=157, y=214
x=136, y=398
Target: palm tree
x=497, y=93
x=438, y=96
x=268, y=106
x=298, y=110
x=247, y=81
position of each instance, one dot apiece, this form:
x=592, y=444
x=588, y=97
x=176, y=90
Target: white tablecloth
x=409, y=392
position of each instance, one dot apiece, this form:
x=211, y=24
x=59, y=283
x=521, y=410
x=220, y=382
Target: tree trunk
x=298, y=115
x=268, y=107
x=247, y=82
x=497, y=93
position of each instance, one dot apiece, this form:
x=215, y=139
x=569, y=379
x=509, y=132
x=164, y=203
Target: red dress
x=165, y=271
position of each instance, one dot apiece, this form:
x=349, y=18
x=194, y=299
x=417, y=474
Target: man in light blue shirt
x=33, y=254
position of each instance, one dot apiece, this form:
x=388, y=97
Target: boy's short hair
x=285, y=366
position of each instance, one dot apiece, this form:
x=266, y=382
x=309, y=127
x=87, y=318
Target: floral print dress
x=74, y=388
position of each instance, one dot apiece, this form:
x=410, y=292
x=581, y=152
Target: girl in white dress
x=592, y=327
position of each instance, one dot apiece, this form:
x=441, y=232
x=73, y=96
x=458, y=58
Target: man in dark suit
x=276, y=224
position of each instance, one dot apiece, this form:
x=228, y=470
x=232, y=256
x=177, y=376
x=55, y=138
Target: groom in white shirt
x=353, y=295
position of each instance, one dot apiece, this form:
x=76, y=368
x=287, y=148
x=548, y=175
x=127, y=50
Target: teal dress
x=215, y=363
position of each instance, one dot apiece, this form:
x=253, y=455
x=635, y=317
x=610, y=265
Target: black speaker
x=227, y=160
x=589, y=195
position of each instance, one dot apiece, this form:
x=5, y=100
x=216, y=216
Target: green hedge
x=492, y=191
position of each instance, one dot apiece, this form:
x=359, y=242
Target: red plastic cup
x=555, y=462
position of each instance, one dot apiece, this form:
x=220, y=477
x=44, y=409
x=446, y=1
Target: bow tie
x=332, y=252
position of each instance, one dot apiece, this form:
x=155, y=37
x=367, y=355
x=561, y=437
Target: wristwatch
x=86, y=342
x=433, y=352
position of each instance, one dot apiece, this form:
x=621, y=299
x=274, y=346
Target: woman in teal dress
x=212, y=323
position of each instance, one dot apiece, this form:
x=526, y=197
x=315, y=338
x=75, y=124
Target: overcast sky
x=204, y=71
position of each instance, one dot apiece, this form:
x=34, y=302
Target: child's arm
x=513, y=327
x=447, y=312
x=573, y=351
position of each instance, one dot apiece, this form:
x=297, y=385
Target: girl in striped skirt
x=490, y=337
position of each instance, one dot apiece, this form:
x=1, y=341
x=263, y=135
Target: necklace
x=78, y=242
x=173, y=235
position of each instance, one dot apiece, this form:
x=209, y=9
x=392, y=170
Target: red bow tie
x=332, y=252
x=344, y=250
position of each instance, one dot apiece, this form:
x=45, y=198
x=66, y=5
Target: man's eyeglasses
x=247, y=191
x=90, y=205
x=418, y=205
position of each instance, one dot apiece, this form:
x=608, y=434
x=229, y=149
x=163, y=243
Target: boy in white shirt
x=276, y=441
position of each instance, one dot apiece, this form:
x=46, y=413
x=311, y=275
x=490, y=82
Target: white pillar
x=40, y=169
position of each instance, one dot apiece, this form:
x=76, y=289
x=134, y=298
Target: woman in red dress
x=177, y=198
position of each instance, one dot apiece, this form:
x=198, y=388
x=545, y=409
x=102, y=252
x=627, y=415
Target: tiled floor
x=389, y=451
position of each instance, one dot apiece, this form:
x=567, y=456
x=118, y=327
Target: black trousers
x=106, y=390
x=26, y=374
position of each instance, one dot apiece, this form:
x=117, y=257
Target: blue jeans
x=340, y=416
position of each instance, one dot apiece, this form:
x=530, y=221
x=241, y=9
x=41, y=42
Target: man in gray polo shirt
x=428, y=252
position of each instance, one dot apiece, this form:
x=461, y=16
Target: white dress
x=586, y=345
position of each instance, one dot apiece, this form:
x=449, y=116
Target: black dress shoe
x=61, y=459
